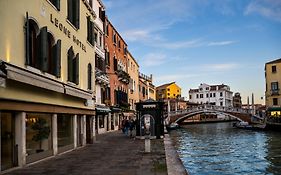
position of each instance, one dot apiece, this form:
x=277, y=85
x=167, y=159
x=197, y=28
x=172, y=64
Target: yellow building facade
x=273, y=81
x=46, y=78
x=168, y=91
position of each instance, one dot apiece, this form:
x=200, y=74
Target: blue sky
x=201, y=41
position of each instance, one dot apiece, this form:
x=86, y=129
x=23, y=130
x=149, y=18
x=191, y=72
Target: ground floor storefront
x=32, y=132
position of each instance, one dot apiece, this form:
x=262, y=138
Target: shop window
x=56, y=3
x=65, y=130
x=73, y=12
x=91, y=37
x=73, y=66
x=42, y=52
x=38, y=133
x=89, y=76
x=101, y=121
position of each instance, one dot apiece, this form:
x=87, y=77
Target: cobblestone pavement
x=112, y=154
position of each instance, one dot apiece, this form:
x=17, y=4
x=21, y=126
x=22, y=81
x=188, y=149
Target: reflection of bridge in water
x=179, y=116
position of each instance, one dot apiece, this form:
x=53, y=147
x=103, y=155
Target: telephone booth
x=150, y=120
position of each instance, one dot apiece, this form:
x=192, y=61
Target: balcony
x=123, y=76
x=275, y=92
x=101, y=77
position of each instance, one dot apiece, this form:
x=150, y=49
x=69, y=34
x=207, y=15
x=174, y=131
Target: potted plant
x=43, y=131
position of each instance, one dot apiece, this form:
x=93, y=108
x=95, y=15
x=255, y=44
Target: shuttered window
x=90, y=31
x=73, y=12
x=72, y=66
x=56, y=3
x=89, y=76
x=115, y=64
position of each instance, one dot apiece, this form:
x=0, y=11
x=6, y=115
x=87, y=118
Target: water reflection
x=220, y=149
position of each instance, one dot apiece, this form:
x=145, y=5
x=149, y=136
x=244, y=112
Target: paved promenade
x=112, y=154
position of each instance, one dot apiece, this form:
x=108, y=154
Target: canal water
x=220, y=149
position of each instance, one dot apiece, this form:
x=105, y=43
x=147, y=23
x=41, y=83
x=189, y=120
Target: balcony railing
x=275, y=92
x=101, y=77
x=123, y=76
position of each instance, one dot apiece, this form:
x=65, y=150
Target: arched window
x=72, y=66
x=89, y=76
x=31, y=31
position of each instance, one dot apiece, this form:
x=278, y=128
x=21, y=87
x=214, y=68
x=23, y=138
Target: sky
x=201, y=41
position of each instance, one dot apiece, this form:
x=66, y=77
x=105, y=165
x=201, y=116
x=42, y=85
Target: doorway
x=8, y=149
x=79, y=130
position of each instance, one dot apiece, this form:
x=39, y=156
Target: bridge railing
x=210, y=107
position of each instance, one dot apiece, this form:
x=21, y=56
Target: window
x=207, y=95
x=91, y=3
x=73, y=12
x=102, y=14
x=119, y=44
x=190, y=96
x=42, y=52
x=201, y=96
x=107, y=58
x=275, y=101
x=211, y=94
x=89, y=76
x=214, y=94
x=197, y=95
x=273, y=68
x=168, y=94
x=221, y=94
x=221, y=103
x=106, y=29
x=207, y=88
x=56, y=3
x=115, y=64
x=114, y=37
x=274, y=86
x=91, y=37
x=99, y=63
x=168, y=89
x=100, y=40
x=125, y=49
x=72, y=66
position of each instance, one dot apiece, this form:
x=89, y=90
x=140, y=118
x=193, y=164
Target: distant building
x=146, y=88
x=273, y=79
x=168, y=91
x=237, y=102
x=133, y=71
x=219, y=95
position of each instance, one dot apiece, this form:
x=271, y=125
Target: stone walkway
x=112, y=154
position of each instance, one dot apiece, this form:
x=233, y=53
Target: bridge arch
x=181, y=119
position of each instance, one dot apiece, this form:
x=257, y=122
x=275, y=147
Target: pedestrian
x=126, y=127
x=131, y=127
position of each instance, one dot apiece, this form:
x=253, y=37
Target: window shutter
x=70, y=10
x=57, y=4
x=103, y=15
x=89, y=31
x=76, y=68
x=56, y=50
x=93, y=33
x=27, y=45
x=76, y=15
x=43, y=49
x=89, y=76
x=70, y=65
x=115, y=64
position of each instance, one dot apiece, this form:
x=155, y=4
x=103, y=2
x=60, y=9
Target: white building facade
x=219, y=95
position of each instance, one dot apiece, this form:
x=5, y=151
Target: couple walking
x=128, y=127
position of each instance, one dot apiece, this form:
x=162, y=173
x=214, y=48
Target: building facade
x=47, y=82
x=146, y=88
x=273, y=81
x=116, y=68
x=219, y=95
x=237, y=102
x=133, y=70
x=168, y=91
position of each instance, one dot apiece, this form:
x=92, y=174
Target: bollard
x=147, y=144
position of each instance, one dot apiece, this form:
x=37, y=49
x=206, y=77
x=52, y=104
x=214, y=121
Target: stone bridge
x=180, y=116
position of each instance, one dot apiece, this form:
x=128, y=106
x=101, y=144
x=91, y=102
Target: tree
x=43, y=131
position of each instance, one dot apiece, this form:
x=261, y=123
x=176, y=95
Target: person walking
x=131, y=127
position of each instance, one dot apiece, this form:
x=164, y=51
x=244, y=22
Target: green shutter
x=76, y=72
x=93, y=33
x=57, y=4
x=76, y=15
x=43, y=49
x=70, y=65
x=27, y=45
x=56, y=50
x=70, y=10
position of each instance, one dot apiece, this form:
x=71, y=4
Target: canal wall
x=174, y=163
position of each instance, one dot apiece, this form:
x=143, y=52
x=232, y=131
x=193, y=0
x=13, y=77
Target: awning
x=103, y=109
x=115, y=109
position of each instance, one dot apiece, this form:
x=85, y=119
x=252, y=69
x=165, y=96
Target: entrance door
x=88, y=129
x=8, y=156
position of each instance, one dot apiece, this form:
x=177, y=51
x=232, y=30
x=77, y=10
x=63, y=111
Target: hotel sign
x=67, y=32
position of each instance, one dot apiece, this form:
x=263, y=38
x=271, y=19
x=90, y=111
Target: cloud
x=154, y=59
x=220, y=67
x=268, y=8
x=221, y=43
